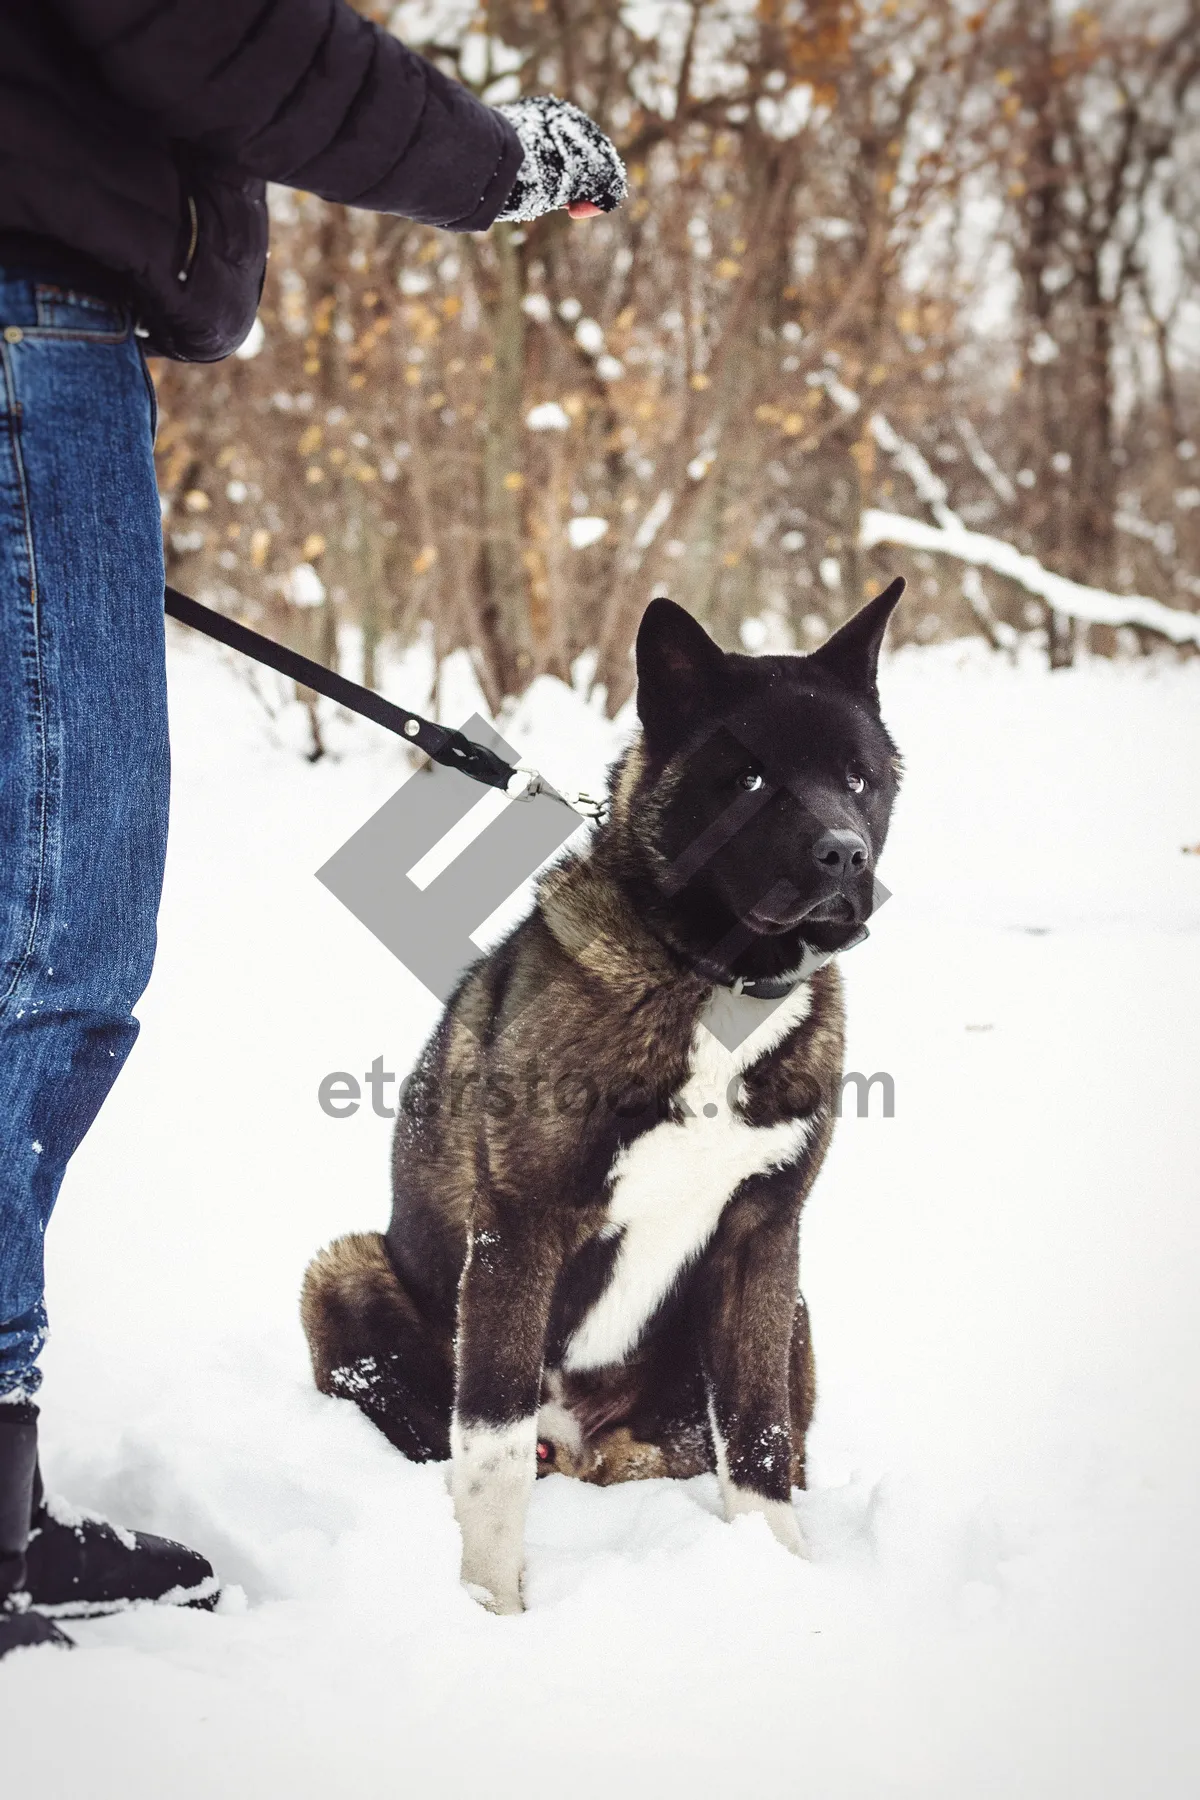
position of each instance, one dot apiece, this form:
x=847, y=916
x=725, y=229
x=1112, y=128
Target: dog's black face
x=770, y=782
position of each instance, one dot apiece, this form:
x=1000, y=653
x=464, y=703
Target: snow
x=549, y=416
x=1003, y=1587
x=584, y=530
x=589, y=336
x=654, y=520
x=305, y=587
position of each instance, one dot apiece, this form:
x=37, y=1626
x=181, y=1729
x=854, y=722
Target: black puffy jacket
x=139, y=135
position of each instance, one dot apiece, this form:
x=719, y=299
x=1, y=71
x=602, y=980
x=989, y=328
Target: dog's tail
x=370, y=1343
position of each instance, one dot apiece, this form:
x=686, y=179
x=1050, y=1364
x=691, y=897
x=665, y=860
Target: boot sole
x=201, y=1598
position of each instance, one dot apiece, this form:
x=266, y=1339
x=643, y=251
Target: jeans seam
x=43, y=753
x=70, y=335
x=151, y=394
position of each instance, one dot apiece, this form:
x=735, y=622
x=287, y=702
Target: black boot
x=79, y=1566
x=20, y=1629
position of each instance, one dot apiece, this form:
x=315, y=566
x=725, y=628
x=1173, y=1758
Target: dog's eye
x=855, y=782
x=751, y=780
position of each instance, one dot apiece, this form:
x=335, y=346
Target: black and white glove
x=568, y=160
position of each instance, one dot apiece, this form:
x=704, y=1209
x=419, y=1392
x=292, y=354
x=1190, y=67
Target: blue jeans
x=84, y=766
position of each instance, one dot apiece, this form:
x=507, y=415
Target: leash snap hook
x=535, y=783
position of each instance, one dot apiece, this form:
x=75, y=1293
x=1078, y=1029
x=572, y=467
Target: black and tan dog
x=601, y=1158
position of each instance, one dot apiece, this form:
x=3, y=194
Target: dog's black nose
x=841, y=853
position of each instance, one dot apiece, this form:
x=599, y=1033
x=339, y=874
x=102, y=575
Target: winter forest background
x=900, y=285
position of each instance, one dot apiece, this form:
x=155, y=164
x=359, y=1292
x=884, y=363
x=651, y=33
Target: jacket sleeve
x=307, y=93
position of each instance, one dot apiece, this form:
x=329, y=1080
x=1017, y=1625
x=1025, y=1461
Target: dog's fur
x=592, y=1258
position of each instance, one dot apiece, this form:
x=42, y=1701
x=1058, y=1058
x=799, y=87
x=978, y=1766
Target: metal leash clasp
x=535, y=783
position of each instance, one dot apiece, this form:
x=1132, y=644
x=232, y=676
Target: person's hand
x=568, y=162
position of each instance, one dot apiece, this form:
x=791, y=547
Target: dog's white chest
x=669, y=1187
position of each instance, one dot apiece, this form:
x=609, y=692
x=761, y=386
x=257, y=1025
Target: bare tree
x=516, y=438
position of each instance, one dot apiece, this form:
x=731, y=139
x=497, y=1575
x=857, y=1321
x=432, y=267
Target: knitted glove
x=567, y=159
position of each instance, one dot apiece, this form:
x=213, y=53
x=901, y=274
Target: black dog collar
x=777, y=987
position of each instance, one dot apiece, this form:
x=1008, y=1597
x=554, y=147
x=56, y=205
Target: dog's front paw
x=504, y=1600
x=491, y=1476
x=779, y=1514
x=786, y=1527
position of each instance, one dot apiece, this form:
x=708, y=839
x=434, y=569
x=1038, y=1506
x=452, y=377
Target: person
x=135, y=146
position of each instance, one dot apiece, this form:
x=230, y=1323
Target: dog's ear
x=852, y=653
x=680, y=671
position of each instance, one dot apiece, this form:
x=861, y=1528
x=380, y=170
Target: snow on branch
x=930, y=487
x=1093, y=605
x=950, y=537
x=987, y=465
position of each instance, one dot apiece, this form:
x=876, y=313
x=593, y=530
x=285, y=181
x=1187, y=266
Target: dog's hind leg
x=639, y=1421
x=371, y=1343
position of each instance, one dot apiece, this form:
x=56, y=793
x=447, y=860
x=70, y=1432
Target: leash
x=454, y=751
x=439, y=742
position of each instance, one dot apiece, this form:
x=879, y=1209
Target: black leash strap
x=445, y=746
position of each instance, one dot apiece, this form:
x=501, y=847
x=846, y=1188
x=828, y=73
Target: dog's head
x=767, y=782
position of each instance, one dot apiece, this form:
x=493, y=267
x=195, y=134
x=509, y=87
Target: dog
x=601, y=1158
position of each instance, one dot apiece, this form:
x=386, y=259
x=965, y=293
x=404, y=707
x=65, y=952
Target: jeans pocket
x=64, y=312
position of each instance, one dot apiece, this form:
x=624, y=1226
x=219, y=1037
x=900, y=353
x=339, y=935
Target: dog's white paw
x=786, y=1527
x=779, y=1514
x=491, y=1474
x=504, y=1601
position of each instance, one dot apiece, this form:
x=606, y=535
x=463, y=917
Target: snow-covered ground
x=1004, y=1590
